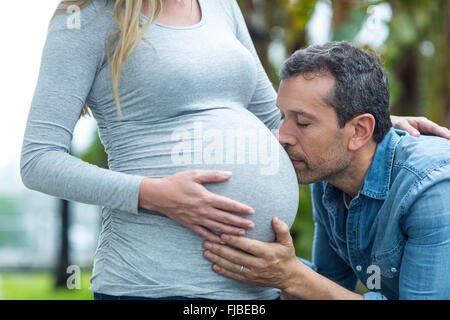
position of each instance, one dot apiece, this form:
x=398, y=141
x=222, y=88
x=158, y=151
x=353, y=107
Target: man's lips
x=295, y=160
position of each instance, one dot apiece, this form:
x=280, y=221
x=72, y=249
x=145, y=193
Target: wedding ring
x=242, y=268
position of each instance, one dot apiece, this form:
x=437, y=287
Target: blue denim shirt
x=395, y=236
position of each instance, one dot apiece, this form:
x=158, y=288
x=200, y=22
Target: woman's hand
x=419, y=125
x=183, y=198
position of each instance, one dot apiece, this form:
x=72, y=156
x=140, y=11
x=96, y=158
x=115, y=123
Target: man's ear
x=361, y=131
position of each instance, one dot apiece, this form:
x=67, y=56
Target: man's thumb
x=281, y=231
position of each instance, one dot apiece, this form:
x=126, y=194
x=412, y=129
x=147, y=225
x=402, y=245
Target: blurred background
x=40, y=236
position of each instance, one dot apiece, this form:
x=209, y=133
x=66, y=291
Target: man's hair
x=361, y=84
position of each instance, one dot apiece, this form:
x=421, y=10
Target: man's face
x=310, y=132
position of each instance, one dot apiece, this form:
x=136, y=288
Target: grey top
x=197, y=98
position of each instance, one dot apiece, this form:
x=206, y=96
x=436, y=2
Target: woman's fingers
x=183, y=198
x=410, y=129
x=420, y=125
x=223, y=228
x=430, y=128
x=204, y=176
x=227, y=204
x=205, y=233
x=231, y=219
x=224, y=203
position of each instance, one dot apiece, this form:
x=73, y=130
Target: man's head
x=335, y=100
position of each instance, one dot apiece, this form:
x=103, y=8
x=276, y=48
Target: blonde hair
x=131, y=32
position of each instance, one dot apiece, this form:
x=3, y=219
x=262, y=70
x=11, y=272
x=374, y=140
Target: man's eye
x=302, y=125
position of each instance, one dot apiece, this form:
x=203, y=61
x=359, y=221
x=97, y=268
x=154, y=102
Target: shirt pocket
x=389, y=261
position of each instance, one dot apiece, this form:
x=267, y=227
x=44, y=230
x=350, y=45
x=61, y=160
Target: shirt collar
x=377, y=181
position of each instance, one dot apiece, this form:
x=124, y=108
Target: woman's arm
x=69, y=64
x=68, y=67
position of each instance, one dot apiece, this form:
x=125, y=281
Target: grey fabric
x=186, y=91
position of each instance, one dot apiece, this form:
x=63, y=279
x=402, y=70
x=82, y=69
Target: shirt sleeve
x=425, y=265
x=263, y=103
x=69, y=63
x=372, y=295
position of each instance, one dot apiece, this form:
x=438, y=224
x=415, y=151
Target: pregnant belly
x=269, y=195
x=225, y=139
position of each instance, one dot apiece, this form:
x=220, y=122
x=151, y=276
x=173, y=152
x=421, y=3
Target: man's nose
x=284, y=137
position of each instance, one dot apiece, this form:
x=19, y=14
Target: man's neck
x=351, y=179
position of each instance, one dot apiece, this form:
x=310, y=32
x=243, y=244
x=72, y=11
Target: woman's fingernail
x=225, y=237
x=208, y=245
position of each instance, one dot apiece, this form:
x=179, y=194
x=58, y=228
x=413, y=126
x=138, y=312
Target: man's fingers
x=282, y=231
x=232, y=255
x=228, y=274
x=224, y=263
x=251, y=246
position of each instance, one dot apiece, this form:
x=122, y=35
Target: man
x=381, y=198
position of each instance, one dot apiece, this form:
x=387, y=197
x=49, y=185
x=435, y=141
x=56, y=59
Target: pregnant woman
x=173, y=110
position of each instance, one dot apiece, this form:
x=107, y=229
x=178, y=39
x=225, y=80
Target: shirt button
x=358, y=268
x=394, y=269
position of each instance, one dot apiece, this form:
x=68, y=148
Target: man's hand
x=264, y=264
x=273, y=264
x=419, y=125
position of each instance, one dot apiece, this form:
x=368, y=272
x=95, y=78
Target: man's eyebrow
x=304, y=114
x=300, y=113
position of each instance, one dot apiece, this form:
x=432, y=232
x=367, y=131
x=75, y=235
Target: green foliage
x=96, y=153
x=8, y=208
x=302, y=230
x=11, y=224
x=350, y=28
x=40, y=286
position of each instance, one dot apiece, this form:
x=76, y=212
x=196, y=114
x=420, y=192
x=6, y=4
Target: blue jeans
x=101, y=296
